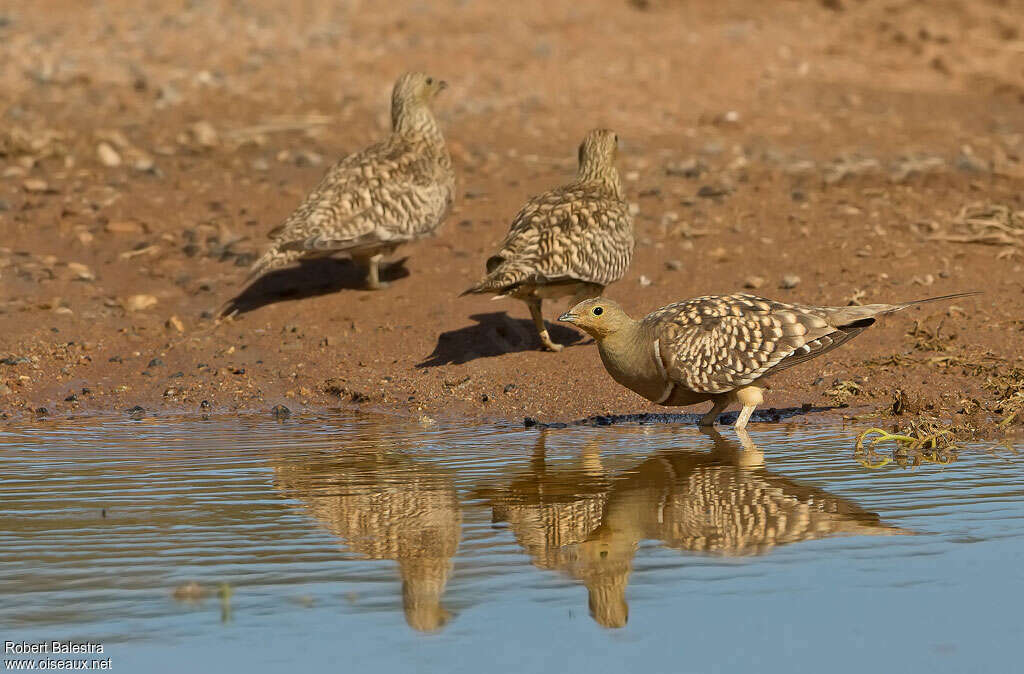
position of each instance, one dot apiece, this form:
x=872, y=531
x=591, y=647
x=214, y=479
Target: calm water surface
x=358, y=542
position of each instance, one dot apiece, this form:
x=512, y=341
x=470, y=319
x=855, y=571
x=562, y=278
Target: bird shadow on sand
x=493, y=334
x=309, y=279
x=769, y=414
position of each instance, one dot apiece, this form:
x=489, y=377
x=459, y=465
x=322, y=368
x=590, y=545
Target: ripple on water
x=377, y=529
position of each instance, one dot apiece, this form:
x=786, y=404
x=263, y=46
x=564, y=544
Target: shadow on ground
x=770, y=414
x=310, y=278
x=493, y=334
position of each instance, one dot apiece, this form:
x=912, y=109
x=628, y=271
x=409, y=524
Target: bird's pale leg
x=750, y=397
x=538, y=320
x=373, y=281
x=717, y=408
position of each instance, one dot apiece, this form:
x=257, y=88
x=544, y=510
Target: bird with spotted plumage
x=719, y=347
x=573, y=240
x=369, y=203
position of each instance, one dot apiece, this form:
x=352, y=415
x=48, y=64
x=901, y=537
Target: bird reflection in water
x=580, y=521
x=386, y=506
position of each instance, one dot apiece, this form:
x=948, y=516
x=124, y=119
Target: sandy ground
x=820, y=152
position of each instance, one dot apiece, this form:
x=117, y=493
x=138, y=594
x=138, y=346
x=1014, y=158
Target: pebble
x=175, y=323
x=156, y=362
x=139, y=302
x=81, y=272
x=673, y=265
x=35, y=185
x=789, y=281
x=753, y=282
x=123, y=227
x=204, y=134
x=107, y=155
x=205, y=405
x=136, y=412
x=280, y=412
x=711, y=191
x=4, y=389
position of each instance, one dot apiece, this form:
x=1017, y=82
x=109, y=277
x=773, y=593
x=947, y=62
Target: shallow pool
x=340, y=542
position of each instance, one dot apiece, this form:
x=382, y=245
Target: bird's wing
x=719, y=343
x=573, y=233
x=390, y=192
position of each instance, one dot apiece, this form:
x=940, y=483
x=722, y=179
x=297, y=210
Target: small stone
x=509, y=388
x=204, y=134
x=41, y=411
x=969, y=163
x=673, y=265
x=280, y=412
x=81, y=272
x=107, y=155
x=136, y=412
x=644, y=281
x=156, y=362
x=688, y=168
x=308, y=158
x=789, y=281
x=123, y=227
x=711, y=191
x=4, y=389
x=174, y=323
x=485, y=398
x=139, y=302
x=35, y=185
x=205, y=405
x=71, y=398
x=753, y=282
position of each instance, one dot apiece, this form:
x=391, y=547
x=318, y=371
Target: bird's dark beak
x=568, y=317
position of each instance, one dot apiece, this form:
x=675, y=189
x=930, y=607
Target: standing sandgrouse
x=573, y=240
x=720, y=347
x=369, y=203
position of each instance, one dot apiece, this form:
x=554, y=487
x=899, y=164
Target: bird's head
x=598, y=317
x=410, y=112
x=597, y=156
x=416, y=87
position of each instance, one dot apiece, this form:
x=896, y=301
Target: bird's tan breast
x=634, y=362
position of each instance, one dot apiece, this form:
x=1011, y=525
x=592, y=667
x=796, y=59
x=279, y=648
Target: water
x=369, y=542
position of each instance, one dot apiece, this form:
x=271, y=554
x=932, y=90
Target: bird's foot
x=549, y=345
x=377, y=285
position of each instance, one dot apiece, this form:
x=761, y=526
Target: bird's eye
x=430, y=80
x=598, y=311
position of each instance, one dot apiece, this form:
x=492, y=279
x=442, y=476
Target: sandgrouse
x=369, y=203
x=719, y=347
x=573, y=240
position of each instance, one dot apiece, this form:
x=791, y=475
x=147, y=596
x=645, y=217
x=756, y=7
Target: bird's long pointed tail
x=904, y=305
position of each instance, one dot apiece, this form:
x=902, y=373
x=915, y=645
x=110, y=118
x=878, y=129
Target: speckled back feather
x=390, y=193
x=580, y=232
x=716, y=344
